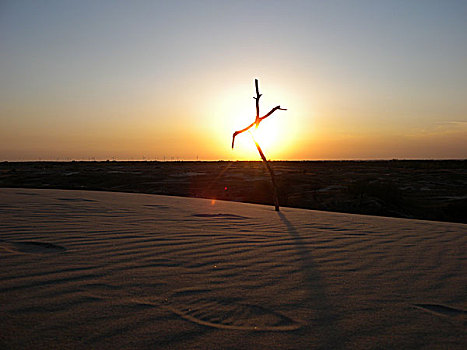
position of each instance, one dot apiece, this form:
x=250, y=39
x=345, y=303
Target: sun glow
x=235, y=110
x=266, y=134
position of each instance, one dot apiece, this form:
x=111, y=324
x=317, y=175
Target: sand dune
x=100, y=270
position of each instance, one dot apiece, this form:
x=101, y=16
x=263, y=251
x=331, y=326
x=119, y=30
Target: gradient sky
x=154, y=79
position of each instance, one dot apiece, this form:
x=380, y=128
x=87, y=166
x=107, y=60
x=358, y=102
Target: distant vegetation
x=432, y=190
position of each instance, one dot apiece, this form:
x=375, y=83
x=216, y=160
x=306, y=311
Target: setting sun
x=268, y=135
x=273, y=134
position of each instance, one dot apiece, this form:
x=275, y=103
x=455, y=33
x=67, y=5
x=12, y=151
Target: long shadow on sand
x=322, y=320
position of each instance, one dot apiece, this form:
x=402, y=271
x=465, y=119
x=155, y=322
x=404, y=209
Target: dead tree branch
x=258, y=95
x=271, y=173
x=258, y=119
x=272, y=111
x=256, y=123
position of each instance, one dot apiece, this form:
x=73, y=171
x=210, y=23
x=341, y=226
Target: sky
x=173, y=80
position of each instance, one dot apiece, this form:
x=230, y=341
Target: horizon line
x=105, y=160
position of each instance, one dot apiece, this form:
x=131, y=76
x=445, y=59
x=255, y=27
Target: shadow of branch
x=322, y=317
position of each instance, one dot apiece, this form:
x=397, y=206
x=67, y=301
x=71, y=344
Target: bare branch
x=272, y=111
x=271, y=172
x=257, y=121
x=258, y=95
x=240, y=131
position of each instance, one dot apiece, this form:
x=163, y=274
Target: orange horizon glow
x=141, y=81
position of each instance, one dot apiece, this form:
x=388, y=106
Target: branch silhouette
x=256, y=123
x=258, y=119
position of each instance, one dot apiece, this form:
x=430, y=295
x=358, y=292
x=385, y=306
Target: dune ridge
x=83, y=269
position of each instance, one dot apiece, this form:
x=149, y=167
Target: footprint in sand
x=450, y=313
x=156, y=206
x=198, y=306
x=31, y=247
x=220, y=215
x=75, y=199
x=205, y=307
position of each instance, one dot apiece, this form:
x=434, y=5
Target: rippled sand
x=103, y=270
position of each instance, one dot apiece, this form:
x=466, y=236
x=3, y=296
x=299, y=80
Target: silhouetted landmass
x=421, y=189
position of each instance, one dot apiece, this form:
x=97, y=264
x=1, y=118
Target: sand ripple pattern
x=197, y=306
x=101, y=270
x=32, y=247
x=453, y=314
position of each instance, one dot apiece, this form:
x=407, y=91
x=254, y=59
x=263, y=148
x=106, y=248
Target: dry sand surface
x=96, y=270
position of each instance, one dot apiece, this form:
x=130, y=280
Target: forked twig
x=256, y=123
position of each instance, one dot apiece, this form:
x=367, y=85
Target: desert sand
x=83, y=269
